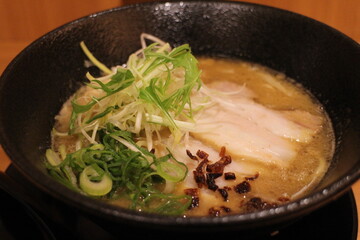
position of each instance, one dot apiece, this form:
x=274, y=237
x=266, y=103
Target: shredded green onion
x=159, y=81
x=52, y=157
x=93, y=59
x=132, y=104
x=94, y=188
x=117, y=167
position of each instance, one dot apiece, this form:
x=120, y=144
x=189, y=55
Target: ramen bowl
x=46, y=73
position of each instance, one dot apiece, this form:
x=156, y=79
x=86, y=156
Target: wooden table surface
x=342, y=15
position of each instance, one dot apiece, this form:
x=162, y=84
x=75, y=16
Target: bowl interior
x=45, y=74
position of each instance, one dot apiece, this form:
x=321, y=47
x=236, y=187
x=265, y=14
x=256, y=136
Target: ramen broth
x=252, y=176
x=271, y=183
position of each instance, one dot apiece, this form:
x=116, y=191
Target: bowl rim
x=55, y=189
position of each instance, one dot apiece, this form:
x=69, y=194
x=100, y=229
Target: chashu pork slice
x=249, y=129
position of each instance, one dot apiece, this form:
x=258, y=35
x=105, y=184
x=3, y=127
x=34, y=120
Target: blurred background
x=23, y=21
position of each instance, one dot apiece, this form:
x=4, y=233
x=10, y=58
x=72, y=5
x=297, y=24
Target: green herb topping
x=117, y=168
x=115, y=121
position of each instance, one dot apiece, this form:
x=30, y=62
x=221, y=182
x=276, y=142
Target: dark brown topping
x=213, y=175
x=195, y=201
x=201, y=165
x=210, y=181
x=199, y=178
x=243, y=187
x=222, y=151
x=257, y=203
x=226, y=209
x=230, y=176
x=194, y=193
x=253, y=177
x=223, y=193
x=214, y=212
x=202, y=154
x=199, y=175
x=191, y=156
x=218, y=167
x=213, y=171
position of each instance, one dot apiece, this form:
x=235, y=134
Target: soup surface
x=253, y=140
x=259, y=181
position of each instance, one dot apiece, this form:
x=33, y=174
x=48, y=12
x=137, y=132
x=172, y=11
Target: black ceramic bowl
x=46, y=73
